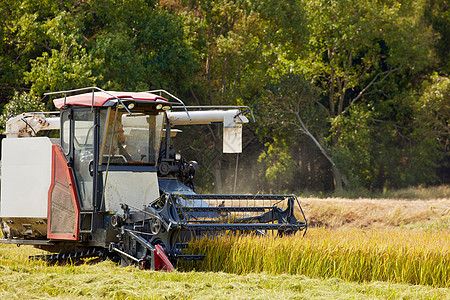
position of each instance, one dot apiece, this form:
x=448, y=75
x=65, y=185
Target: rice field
x=372, y=249
x=25, y=279
x=401, y=256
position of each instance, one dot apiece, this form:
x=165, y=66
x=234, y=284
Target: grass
x=21, y=278
x=363, y=249
x=420, y=192
x=376, y=213
x=432, y=192
x=401, y=256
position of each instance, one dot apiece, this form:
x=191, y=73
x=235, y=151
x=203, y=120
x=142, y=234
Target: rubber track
x=94, y=252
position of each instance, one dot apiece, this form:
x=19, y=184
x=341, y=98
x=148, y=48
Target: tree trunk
x=337, y=178
x=218, y=177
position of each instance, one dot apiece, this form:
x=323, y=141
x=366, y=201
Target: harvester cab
x=111, y=184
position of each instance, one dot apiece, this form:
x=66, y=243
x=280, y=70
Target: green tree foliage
x=433, y=121
x=437, y=13
x=144, y=48
x=133, y=45
x=20, y=103
x=292, y=117
x=234, y=46
x=357, y=89
x=393, y=146
x=397, y=142
x=61, y=70
x=433, y=109
x=366, y=57
x=355, y=47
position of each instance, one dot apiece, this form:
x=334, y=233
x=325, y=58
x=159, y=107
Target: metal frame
x=172, y=96
x=265, y=221
x=93, y=89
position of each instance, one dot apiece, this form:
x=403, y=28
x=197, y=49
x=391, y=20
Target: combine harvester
x=112, y=185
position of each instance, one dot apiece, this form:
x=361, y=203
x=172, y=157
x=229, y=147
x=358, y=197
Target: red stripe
x=58, y=159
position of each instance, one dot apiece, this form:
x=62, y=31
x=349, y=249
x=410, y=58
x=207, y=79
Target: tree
x=432, y=125
x=127, y=45
x=351, y=79
x=293, y=119
x=355, y=47
x=437, y=13
x=231, y=42
x=64, y=69
x=20, y=103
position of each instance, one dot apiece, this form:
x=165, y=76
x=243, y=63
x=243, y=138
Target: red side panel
x=63, y=215
x=162, y=262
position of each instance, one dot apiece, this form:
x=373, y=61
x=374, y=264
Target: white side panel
x=133, y=188
x=26, y=176
x=232, y=139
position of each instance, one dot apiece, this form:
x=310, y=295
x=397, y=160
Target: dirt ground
x=339, y=212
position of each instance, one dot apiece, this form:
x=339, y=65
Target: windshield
x=131, y=139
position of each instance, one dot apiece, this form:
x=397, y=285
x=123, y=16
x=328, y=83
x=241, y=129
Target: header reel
x=175, y=219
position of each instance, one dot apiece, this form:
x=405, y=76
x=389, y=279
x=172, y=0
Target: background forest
x=346, y=94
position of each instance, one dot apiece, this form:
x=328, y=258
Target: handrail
x=85, y=89
x=78, y=90
x=152, y=91
x=174, y=97
x=40, y=112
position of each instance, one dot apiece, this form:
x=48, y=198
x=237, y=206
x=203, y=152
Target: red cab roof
x=100, y=98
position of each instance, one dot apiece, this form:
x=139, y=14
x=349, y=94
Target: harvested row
x=375, y=213
x=403, y=256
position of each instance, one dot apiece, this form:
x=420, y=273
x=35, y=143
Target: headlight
x=177, y=156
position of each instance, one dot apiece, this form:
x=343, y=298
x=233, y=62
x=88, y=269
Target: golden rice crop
x=404, y=256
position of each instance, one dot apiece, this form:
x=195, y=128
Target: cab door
x=63, y=215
